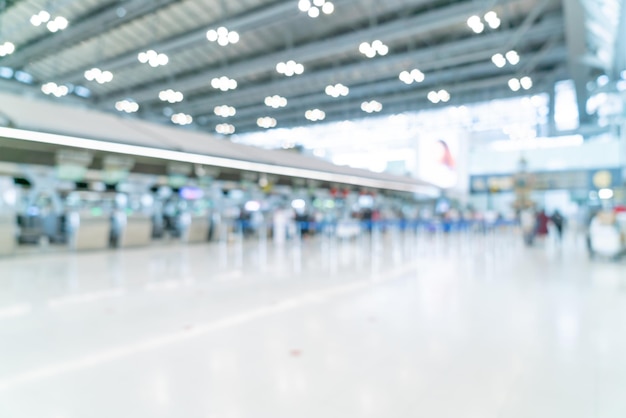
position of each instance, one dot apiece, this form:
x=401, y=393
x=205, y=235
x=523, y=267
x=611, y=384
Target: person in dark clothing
x=558, y=221
x=542, y=224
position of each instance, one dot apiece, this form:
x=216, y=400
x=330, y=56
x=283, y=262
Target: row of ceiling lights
x=127, y=105
x=499, y=60
x=438, y=96
x=289, y=68
x=225, y=129
x=413, y=76
x=101, y=77
x=313, y=9
x=372, y=106
x=275, y=101
x=315, y=115
x=55, y=90
x=54, y=25
x=224, y=83
x=477, y=25
x=338, y=90
x=224, y=111
x=266, y=122
x=525, y=83
x=222, y=36
x=153, y=58
x=375, y=48
x=171, y=96
x=182, y=119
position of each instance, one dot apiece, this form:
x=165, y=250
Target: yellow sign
x=602, y=179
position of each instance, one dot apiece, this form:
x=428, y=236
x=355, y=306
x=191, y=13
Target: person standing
x=542, y=224
x=528, y=222
x=558, y=220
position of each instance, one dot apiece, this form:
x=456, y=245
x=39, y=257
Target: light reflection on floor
x=396, y=325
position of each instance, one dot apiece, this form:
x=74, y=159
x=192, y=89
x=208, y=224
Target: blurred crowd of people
x=535, y=224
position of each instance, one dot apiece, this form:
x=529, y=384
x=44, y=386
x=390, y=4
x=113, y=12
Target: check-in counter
x=137, y=232
x=198, y=229
x=93, y=232
x=7, y=233
x=8, y=220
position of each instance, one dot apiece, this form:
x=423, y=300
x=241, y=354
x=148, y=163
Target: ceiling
x=430, y=35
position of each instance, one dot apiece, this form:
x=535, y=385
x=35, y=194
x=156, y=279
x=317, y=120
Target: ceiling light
x=7, y=48
x=55, y=25
x=224, y=83
x=224, y=111
x=55, y=90
x=222, y=36
x=171, y=96
x=39, y=18
x=375, y=48
x=101, y=77
x=225, y=129
x=477, y=26
x=473, y=21
x=526, y=83
x=23, y=77
x=127, y=105
x=492, y=19
x=152, y=58
x=414, y=76
x=514, y=84
x=313, y=9
x=513, y=57
x=304, y=5
x=433, y=97
x=289, y=68
x=52, y=26
x=59, y=23
x=371, y=106
x=602, y=80
x=83, y=92
x=605, y=194
x=498, y=60
x=438, y=96
x=315, y=115
x=181, y=119
x=337, y=90
x=6, y=72
x=275, y=101
x=266, y=122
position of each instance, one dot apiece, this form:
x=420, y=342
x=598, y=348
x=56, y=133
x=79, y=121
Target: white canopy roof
x=43, y=116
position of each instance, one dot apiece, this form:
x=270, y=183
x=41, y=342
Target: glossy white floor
x=396, y=327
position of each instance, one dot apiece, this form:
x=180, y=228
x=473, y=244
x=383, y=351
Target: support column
x=577, y=48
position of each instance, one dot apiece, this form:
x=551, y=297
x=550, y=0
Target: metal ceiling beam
x=395, y=30
x=247, y=21
x=453, y=53
x=103, y=21
x=619, y=47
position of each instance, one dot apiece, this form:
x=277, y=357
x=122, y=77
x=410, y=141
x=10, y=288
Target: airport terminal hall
x=312, y=208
